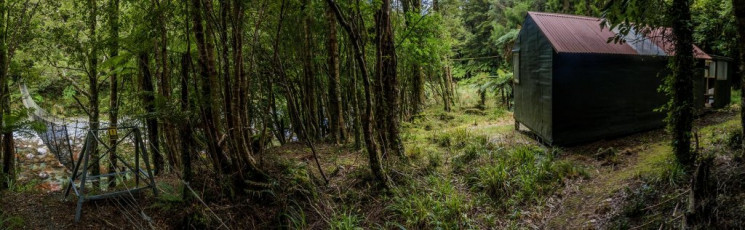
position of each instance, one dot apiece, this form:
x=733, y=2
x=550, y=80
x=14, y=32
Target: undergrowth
x=433, y=203
x=10, y=222
x=659, y=196
x=520, y=176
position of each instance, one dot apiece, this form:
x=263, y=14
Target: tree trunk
x=681, y=112
x=151, y=122
x=446, y=99
x=367, y=120
x=6, y=145
x=309, y=105
x=114, y=93
x=163, y=75
x=335, y=109
x=417, y=80
x=739, y=9
x=701, y=198
x=356, y=105
x=185, y=131
x=233, y=140
x=208, y=78
x=93, y=90
x=387, y=50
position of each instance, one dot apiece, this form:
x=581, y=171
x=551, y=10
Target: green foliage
x=345, y=220
x=10, y=222
x=20, y=186
x=18, y=120
x=522, y=175
x=456, y=138
x=714, y=27
x=169, y=198
x=735, y=97
x=433, y=203
x=295, y=218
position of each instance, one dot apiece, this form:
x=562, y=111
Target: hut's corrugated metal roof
x=580, y=34
x=662, y=37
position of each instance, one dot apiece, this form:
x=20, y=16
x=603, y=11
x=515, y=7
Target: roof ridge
x=564, y=15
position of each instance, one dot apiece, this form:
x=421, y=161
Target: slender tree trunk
x=148, y=99
x=278, y=122
x=225, y=75
x=114, y=94
x=739, y=9
x=681, y=113
x=185, y=131
x=356, y=105
x=335, y=109
x=367, y=120
x=208, y=78
x=163, y=75
x=310, y=108
x=6, y=141
x=447, y=89
x=240, y=87
x=235, y=152
x=93, y=89
x=417, y=79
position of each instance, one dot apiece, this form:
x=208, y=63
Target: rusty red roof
x=663, y=38
x=581, y=34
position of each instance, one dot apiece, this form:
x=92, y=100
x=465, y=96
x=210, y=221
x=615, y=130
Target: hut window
x=722, y=70
x=516, y=67
x=710, y=69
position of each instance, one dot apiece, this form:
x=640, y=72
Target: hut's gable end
x=533, y=79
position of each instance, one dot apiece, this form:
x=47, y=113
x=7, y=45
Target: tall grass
x=10, y=222
x=434, y=203
x=521, y=175
x=345, y=220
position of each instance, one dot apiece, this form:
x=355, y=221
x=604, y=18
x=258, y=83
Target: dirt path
x=591, y=202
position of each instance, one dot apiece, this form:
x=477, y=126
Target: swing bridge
x=63, y=138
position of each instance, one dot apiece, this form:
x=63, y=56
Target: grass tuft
x=522, y=175
x=345, y=220
x=434, y=203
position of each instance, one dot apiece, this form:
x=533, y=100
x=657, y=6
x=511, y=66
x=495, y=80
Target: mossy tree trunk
x=6, y=154
x=114, y=82
x=386, y=67
x=336, y=116
x=93, y=109
x=681, y=84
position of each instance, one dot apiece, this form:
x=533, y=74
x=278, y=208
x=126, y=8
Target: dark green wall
x=606, y=95
x=533, y=93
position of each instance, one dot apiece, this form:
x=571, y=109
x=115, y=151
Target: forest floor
x=467, y=168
